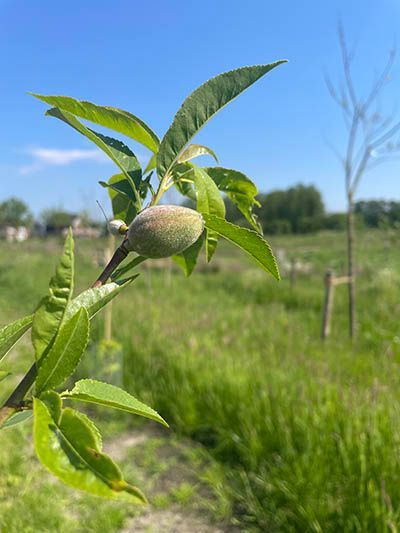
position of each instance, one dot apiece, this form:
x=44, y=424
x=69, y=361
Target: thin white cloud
x=46, y=157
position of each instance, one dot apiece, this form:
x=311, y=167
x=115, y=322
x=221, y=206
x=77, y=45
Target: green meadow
x=270, y=428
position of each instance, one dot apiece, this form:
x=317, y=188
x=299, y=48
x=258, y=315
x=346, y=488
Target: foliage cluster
x=66, y=441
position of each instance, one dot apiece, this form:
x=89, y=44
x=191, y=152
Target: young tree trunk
x=350, y=266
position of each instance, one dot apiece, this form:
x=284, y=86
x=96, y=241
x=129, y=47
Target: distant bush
x=335, y=221
x=15, y=212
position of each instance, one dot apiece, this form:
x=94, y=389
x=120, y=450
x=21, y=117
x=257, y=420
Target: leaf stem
x=161, y=189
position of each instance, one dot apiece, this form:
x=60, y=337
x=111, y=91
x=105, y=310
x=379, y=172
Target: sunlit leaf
x=116, y=150
x=248, y=240
x=200, y=106
x=66, y=352
x=48, y=316
x=195, y=150
x=94, y=299
x=71, y=450
x=109, y=117
x=92, y=391
x=11, y=333
x=209, y=200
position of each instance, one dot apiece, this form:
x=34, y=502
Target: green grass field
x=294, y=434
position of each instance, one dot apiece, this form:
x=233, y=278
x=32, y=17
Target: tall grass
x=308, y=433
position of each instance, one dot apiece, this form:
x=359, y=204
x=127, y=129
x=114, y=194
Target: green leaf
x=119, y=184
x=109, y=117
x=239, y=188
x=10, y=334
x=53, y=403
x=209, y=200
x=116, y=150
x=151, y=164
x=17, y=418
x=182, y=176
x=200, y=106
x=92, y=391
x=125, y=268
x=48, y=316
x=195, y=150
x=66, y=352
x=94, y=299
x=187, y=259
x=248, y=240
x=71, y=450
x=4, y=374
x=122, y=206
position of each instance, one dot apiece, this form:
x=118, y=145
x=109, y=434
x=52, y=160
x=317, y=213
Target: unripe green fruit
x=164, y=230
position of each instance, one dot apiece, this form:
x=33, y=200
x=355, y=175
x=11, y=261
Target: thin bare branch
x=334, y=150
x=386, y=136
x=347, y=58
x=332, y=91
x=382, y=79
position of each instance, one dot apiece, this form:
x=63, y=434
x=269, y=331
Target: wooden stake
x=328, y=304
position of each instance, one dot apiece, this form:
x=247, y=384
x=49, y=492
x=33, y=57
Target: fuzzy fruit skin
x=164, y=230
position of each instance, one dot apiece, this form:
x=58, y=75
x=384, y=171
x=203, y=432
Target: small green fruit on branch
x=158, y=231
x=164, y=230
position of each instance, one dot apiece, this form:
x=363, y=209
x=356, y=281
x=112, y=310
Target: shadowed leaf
x=187, y=259
x=239, y=188
x=17, y=418
x=71, y=450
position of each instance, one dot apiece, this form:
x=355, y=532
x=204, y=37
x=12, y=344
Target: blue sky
x=147, y=56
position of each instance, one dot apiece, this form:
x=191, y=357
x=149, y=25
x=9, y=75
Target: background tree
x=299, y=209
x=56, y=219
x=369, y=141
x=15, y=212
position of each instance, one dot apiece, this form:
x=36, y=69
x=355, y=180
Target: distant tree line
x=299, y=209
x=15, y=212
